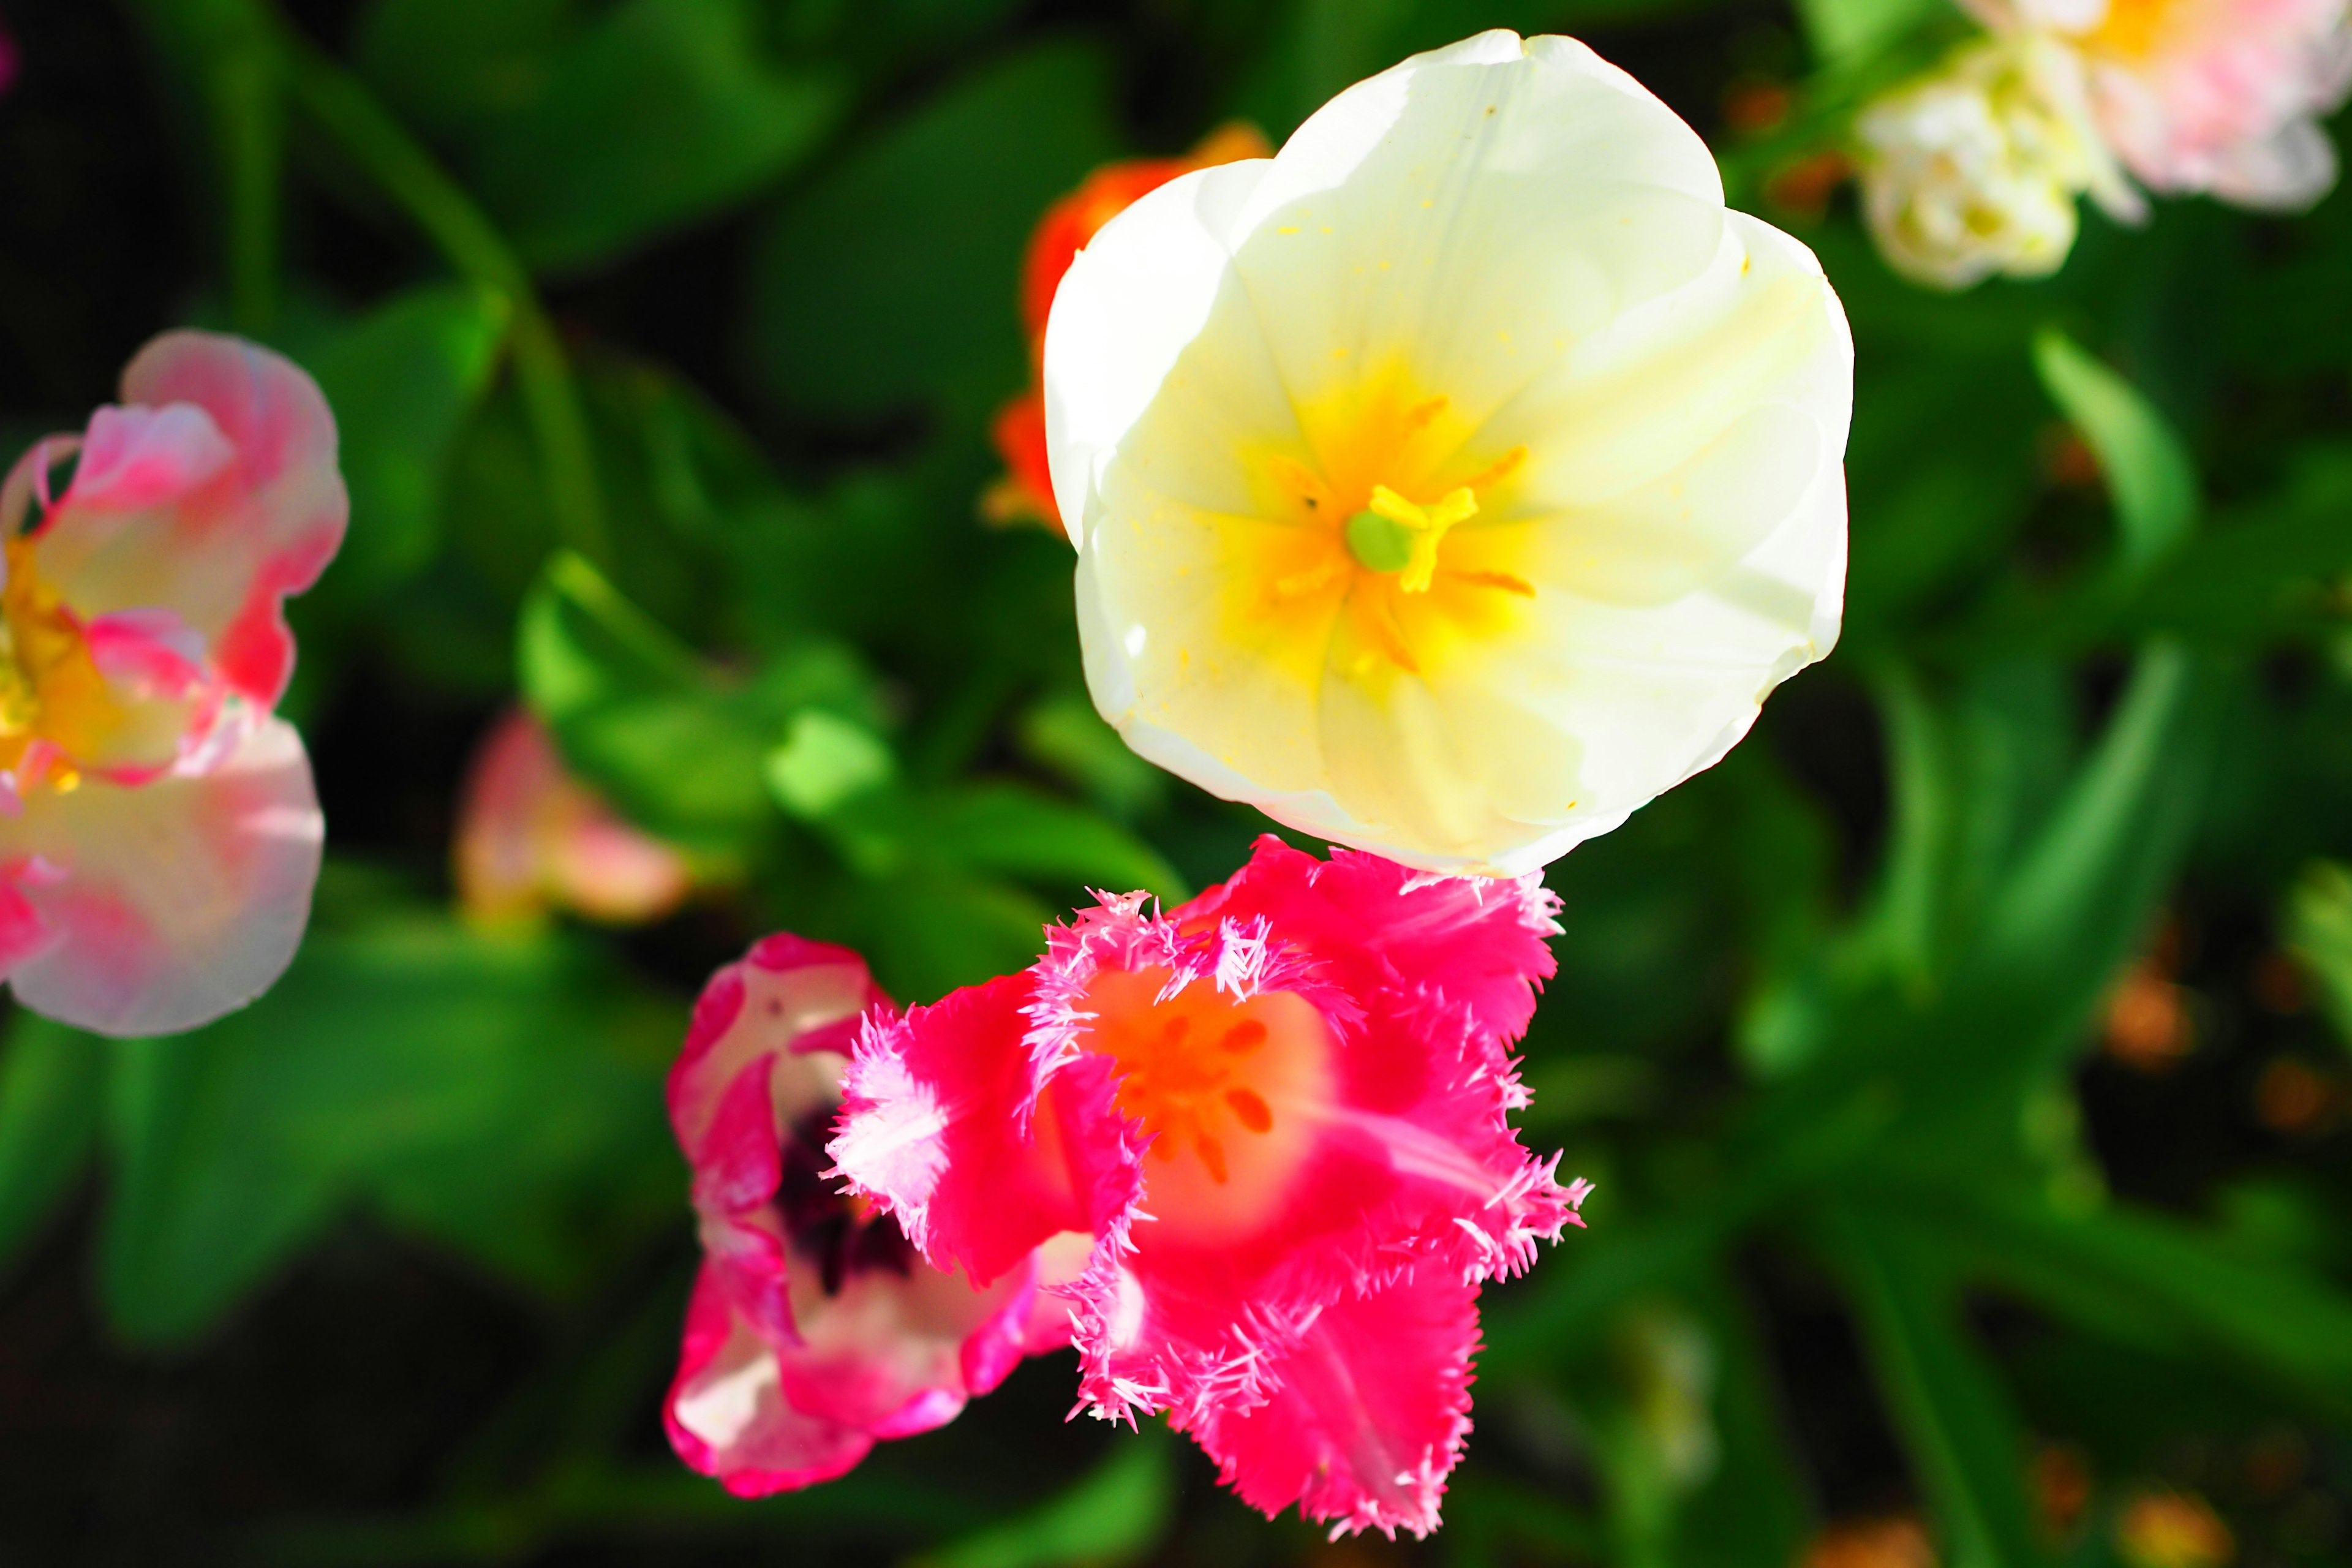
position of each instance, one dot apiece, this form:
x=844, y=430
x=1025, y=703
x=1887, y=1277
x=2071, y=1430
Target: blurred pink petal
x=815, y=1328
x=214, y=494
x=2217, y=96
x=1281, y=1111
x=529, y=836
x=174, y=901
x=159, y=835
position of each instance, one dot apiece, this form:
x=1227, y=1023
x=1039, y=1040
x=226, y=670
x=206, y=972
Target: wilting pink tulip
x=815, y=1329
x=159, y=835
x=531, y=835
x=2223, y=96
x=1281, y=1113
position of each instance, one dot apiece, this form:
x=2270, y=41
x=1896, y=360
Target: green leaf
x=591, y=131
x=401, y=380
x=1064, y=733
x=680, y=748
x=2147, y=464
x=2319, y=930
x=1956, y=1420
x=2153, y=1282
x=498, y=1093
x=1850, y=32
x=825, y=762
x=893, y=277
x=1116, y=1514
x=1019, y=832
x=52, y=1092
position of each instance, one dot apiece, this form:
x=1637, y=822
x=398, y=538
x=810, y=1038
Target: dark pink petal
x=1484, y=940
x=893, y=1352
x=787, y=997
x=937, y=1128
x=176, y=901
x=158, y=518
x=726, y=1415
x=1358, y=1413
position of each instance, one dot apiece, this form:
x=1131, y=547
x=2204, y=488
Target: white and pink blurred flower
x=159, y=833
x=814, y=1329
x=2218, y=96
x=531, y=837
x=1281, y=1114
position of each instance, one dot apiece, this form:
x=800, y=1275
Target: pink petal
x=1359, y=1413
x=147, y=524
x=1372, y=922
x=937, y=1127
x=530, y=834
x=134, y=458
x=178, y=900
x=788, y=997
x=896, y=1353
x=726, y=1415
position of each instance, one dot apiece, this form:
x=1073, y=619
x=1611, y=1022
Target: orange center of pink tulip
x=50, y=689
x=1227, y=1091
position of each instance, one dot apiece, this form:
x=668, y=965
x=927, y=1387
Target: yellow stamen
x=1503, y=580
x=1299, y=584
x=1426, y=525
x=1501, y=469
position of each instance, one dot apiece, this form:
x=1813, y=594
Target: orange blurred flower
x=1025, y=493
x=1900, y=1542
x=2173, y=1529
x=530, y=837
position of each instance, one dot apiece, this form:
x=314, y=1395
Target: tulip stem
x=472, y=244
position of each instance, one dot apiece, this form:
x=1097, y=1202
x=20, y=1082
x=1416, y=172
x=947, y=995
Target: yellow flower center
x=1385, y=549
x=50, y=689
x=1227, y=1091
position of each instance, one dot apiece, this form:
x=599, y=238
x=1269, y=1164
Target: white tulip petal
x=1500, y=273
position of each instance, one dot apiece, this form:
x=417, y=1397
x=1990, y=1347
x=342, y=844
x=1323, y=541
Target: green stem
x=250, y=131
x=408, y=174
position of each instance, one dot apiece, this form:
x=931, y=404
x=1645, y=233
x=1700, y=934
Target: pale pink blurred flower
x=814, y=1329
x=159, y=834
x=2218, y=96
x=1281, y=1114
x=531, y=837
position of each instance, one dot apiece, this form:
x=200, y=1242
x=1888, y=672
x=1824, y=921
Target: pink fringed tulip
x=814, y=1330
x=531, y=835
x=2223, y=96
x=1281, y=1113
x=159, y=835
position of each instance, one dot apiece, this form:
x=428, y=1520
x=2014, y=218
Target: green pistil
x=1379, y=543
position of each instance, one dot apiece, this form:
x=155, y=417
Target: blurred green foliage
x=1827, y=1017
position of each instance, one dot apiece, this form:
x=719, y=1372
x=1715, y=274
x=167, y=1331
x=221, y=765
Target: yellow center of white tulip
x=1386, y=550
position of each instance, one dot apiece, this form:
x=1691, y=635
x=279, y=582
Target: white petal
x=1523, y=237
x=180, y=899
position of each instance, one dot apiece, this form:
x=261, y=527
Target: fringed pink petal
x=212, y=493
x=1371, y=923
x=176, y=900
x=937, y=1128
x=1360, y=1413
x=726, y=1415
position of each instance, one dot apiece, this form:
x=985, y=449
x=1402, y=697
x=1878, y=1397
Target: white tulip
x=1462, y=477
x=1973, y=169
